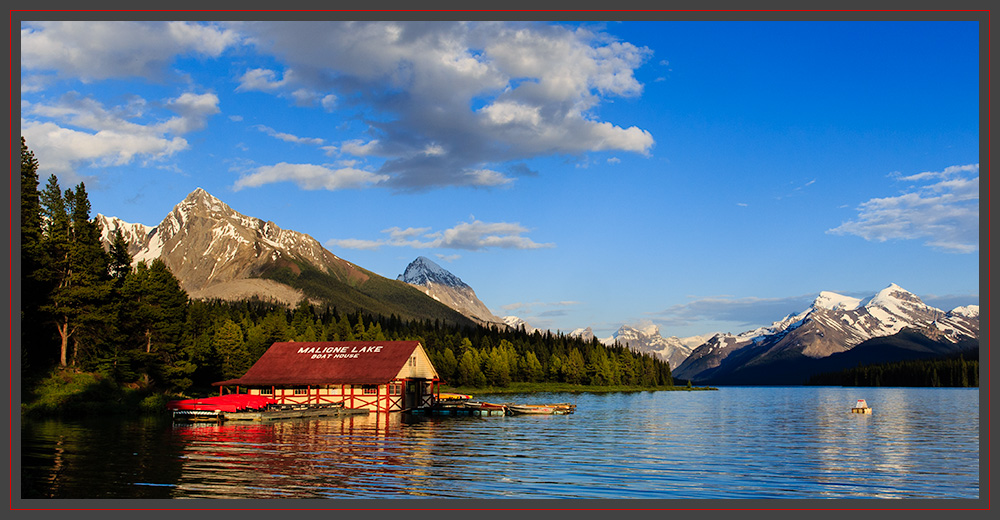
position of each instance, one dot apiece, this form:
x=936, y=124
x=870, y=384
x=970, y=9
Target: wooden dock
x=274, y=413
x=455, y=411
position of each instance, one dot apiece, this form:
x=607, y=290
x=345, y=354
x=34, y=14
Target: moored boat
x=541, y=409
x=480, y=405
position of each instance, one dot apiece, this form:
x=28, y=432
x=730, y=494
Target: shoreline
x=528, y=388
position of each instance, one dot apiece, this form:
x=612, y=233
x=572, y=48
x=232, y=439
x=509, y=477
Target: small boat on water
x=861, y=407
x=541, y=409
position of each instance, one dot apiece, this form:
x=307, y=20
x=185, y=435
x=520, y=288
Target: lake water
x=734, y=443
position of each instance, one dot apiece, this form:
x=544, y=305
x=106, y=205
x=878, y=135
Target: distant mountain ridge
x=647, y=339
x=217, y=252
x=832, y=324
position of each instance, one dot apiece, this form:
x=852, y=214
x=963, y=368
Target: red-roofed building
x=383, y=376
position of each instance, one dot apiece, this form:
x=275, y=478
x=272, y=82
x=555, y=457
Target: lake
x=734, y=443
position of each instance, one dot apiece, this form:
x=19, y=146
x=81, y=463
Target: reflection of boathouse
x=381, y=376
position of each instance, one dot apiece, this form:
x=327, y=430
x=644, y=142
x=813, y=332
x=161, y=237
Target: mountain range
x=832, y=325
x=217, y=253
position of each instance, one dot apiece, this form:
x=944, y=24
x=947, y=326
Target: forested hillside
x=85, y=309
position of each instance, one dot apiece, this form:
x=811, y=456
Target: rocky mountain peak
x=424, y=270
x=438, y=283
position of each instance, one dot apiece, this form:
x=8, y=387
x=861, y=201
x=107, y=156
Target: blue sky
x=702, y=176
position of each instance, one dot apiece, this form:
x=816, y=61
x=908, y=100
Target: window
x=267, y=391
x=395, y=388
x=369, y=389
x=413, y=361
x=301, y=391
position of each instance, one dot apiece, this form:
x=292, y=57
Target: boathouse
x=382, y=376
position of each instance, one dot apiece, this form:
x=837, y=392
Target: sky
x=699, y=176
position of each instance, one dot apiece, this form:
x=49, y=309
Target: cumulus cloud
x=310, y=177
x=481, y=93
x=79, y=131
x=469, y=236
x=65, y=149
x=96, y=50
x=944, y=213
x=262, y=80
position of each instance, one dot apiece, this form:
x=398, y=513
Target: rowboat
x=541, y=409
x=480, y=405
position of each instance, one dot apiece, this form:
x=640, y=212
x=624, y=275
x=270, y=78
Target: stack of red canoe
x=223, y=403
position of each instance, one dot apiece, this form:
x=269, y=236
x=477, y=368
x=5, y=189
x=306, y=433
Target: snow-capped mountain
x=440, y=284
x=212, y=249
x=646, y=338
x=586, y=334
x=217, y=252
x=516, y=323
x=833, y=323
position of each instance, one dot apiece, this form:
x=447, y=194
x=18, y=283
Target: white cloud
x=194, y=111
x=289, y=137
x=470, y=236
x=96, y=50
x=945, y=214
x=104, y=136
x=64, y=150
x=310, y=177
x=329, y=102
x=262, y=80
x=358, y=147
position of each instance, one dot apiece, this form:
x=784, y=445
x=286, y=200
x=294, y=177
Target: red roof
x=328, y=363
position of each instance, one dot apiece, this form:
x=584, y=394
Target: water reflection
x=735, y=443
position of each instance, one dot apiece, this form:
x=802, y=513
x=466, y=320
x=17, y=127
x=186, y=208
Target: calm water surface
x=738, y=442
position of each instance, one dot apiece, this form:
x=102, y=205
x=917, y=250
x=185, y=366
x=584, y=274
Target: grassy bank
x=527, y=388
x=68, y=393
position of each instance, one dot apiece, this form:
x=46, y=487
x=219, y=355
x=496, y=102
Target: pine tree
x=79, y=303
x=228, y=342
x=120, y=260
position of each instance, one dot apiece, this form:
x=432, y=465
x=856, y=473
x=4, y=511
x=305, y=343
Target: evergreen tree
x=574, y=368
x=228, y=342
x=120, y=260
x=79, y=304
